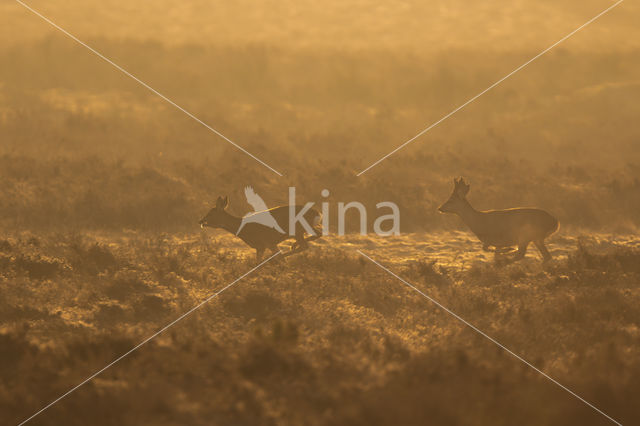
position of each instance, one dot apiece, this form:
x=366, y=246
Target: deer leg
x=259, y=253
x=296, y=248
x=522, y=250
x=499, y=257
x=546, y=256
x=314, y=237
x=302, y=243
x=290, y=252
x=275, y=249
x=504, y=250
x=500, y=254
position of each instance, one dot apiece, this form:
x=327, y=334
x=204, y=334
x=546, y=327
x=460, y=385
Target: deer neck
x=231, y=223
x=470, y=216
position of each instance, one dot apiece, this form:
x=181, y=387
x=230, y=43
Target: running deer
x=502, y=229
x=259, y=234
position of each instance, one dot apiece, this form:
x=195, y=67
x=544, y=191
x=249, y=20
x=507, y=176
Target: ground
x=324, y=337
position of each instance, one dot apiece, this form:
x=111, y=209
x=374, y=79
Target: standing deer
x=502, y=229
x=259, y=235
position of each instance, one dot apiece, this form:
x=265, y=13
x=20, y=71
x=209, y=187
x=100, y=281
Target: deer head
x=217, y=216
x=458, y=199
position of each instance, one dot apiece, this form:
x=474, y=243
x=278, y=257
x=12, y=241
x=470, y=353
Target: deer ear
x=225, y=202
x=219, y=202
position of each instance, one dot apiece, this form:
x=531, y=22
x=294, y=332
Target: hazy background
x=102, y=184
x=318, y=91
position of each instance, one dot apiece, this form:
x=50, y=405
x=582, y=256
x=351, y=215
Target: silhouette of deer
x=502, y=229
x=260, y=236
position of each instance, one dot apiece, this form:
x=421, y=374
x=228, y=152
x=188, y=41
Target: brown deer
x=502, y=229
x=260, y=236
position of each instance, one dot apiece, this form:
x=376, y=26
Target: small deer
x=502, y=229
x=260, y=236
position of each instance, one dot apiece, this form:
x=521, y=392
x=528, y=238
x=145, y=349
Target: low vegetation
x=324, y=337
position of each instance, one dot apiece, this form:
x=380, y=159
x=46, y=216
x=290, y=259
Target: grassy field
x=324, y=337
